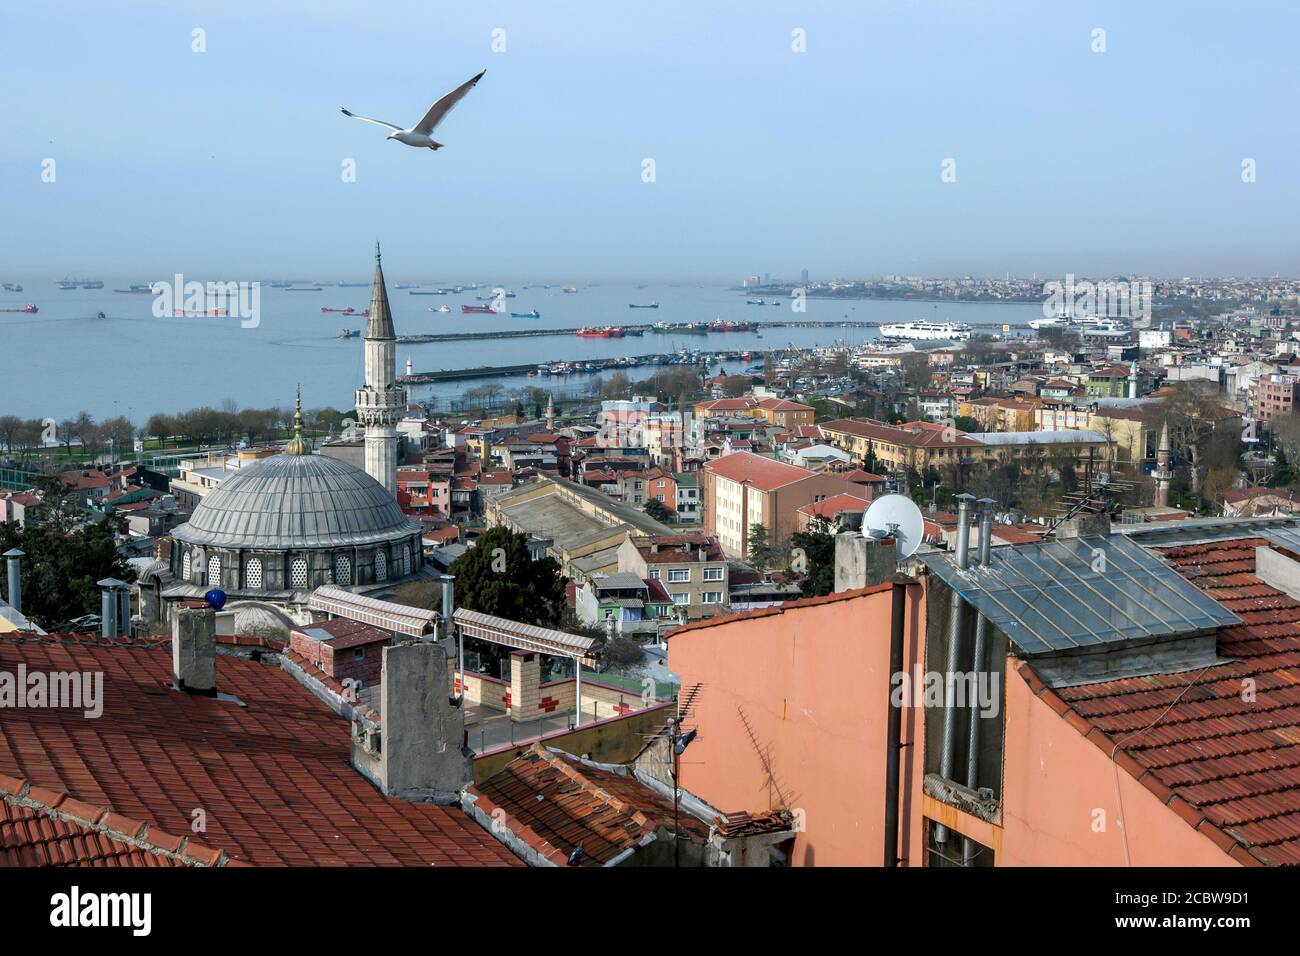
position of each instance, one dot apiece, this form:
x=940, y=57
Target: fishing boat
x=477, y=309
x=28, y=309
x=349, y=333
x=526, y=315
x=648, y=305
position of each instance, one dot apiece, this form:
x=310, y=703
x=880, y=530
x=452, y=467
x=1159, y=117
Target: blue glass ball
x=216, y=598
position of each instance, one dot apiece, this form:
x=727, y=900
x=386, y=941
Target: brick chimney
x=194, y=650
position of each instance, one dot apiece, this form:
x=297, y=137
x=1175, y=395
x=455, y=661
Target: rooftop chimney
x=421, y=755
x=108, y=603
x=963, y=530
x=194, y=650
x=13, y=557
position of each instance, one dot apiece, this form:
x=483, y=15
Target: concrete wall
x=613, y=740
x=812, y=683
x=1060, y=788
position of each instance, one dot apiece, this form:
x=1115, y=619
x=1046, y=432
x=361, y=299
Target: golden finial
x=298, y=445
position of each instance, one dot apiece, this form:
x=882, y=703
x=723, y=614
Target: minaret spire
x=381, y=402
x=1164, y=472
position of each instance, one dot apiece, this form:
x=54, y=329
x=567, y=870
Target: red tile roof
x=271, y=770
x=917, y=434
x=836, y=504
x=765, y=474
x=1229, y=766
x=48, y=828
x=606, y=811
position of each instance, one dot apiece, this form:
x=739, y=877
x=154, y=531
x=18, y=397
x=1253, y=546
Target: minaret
x=1163, y=473
x=550, y=411
x=1133, y=379
x=380, y=401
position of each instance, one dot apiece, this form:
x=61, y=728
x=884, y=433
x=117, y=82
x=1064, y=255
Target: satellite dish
x=897, y=517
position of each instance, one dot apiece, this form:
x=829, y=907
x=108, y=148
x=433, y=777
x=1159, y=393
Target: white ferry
x=945, y=331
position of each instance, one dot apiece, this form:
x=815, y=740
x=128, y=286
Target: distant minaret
x=1163, y=473
x=1133, y=379
x=410, y=366
x=550, y=411
x=380, y=401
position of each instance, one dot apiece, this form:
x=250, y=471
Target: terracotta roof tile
x=1226, y=760
x=271, y=770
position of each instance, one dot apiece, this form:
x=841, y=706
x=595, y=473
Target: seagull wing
x=441, y=108
x=347, y=112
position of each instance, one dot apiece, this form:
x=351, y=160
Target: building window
x=342, y=570
x=298, y=574
x=682, y=599
x=711, y=597
x=214, y=571
x=359, y=654
x=186, y=566
x=253, y=574
x=654, y=573
x=381, y=566
x=713, y=574
x=678, y=575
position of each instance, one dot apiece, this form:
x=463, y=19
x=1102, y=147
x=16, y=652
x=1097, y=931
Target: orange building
x=1143, y=714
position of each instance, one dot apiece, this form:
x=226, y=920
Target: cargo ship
x=348, y=311
x=349, y=333
x=729, y=326
x=28, y=309
x=139, y=288
x=684, y=328
x=12, y=287
x=526, y=315
x=649, y=305
x=601, y=332
x=478, y=310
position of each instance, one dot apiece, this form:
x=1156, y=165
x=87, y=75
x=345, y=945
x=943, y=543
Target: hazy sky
x=227, y=163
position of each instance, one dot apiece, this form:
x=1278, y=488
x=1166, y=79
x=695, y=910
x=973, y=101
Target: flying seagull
x=419, y=134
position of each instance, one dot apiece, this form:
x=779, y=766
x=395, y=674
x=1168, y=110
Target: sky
x=229, y=163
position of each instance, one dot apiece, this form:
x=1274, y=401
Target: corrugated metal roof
x=1079, y=592
x=528, y=637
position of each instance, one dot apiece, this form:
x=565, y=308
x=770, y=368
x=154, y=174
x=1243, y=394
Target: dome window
x=342, y=570
x=381, y=566
x=298, y=574
x=214, y=571
x=186, y=566
x=253, y=574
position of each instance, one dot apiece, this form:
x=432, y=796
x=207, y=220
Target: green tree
x=655, y=509
x=759, y=547
x=64, y=559
x=813, y=556
x=498, y=576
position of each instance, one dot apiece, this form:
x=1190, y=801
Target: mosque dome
x=296, y=501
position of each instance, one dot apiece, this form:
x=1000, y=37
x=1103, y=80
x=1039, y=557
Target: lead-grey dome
x=295, y=502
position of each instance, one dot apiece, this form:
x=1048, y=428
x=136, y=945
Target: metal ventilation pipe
x=448, y=612
x=124, y=610
x=13, y=557
x=952, y=660
x=977, y=666
x=108, y=607
x=893, y=743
